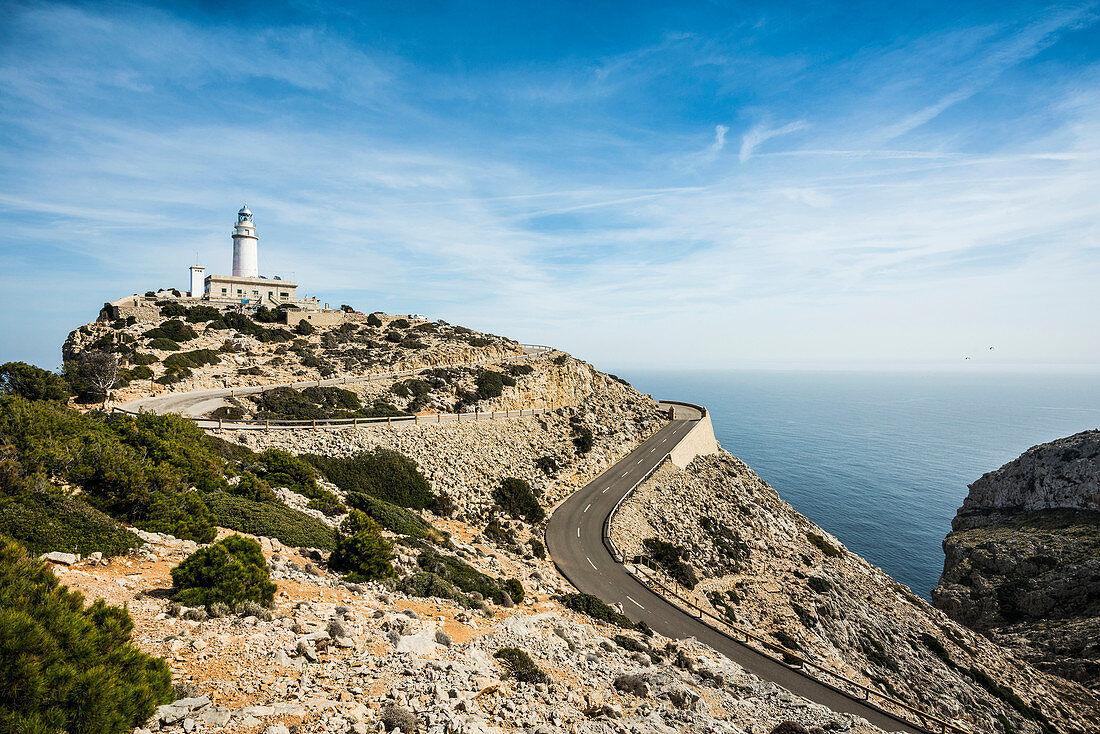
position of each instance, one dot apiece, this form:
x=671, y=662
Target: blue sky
x=831, y=185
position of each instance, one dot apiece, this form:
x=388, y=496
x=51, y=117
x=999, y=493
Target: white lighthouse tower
x=246, y=263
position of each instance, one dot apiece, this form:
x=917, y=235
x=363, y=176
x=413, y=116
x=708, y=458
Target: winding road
x=574, y=539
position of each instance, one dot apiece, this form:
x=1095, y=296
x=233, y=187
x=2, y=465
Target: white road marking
x=624, y=473
x=590, y=563
x=604, y=490
x=578, y=532
x=589, y=505
x=639, y=605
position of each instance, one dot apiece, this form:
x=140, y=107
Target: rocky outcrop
x=1062, y=474
x=1022, y=564
x=765, y=567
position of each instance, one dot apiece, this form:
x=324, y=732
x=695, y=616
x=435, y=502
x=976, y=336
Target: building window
x=239, y=291
x=283, y=294
x=223, y=291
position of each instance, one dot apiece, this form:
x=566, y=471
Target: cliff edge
x=1022, y=563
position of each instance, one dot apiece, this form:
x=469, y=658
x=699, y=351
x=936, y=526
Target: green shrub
x=520, y=665
x=190, y=360
x=538, y=550
x=244, y=325
x=548, y=465
x=382, y=473
x=230, y=571
x=174, y=329
x=396, y=519
x=293, y=528
x=411, y=388
x=32, y=383
x=164, y=344
x=595, y=608
x=140, y=372
x=43, y=521
x=489, y=385
x=478, y=341
x=494, y=532
x=227, y=412
x=197, y=314
x=516, y=498
x=426, y=584
x=670, y=557
x=64, y=667
x=823, y=545
x=182, y=514
x=139, y=358
x=361, y=553
x=515, y=590
x=265, y=315
x=462, y=575
x=583, y=438
x=304, y=328
x=373, y=320
x=399, y=324
x=252, y=487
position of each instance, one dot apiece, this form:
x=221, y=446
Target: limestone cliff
x=1022, y=564
x=765, y=567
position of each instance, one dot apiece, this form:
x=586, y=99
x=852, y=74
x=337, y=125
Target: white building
x=246, y=260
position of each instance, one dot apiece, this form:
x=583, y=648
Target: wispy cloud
x=583, y=200
x=758, y=134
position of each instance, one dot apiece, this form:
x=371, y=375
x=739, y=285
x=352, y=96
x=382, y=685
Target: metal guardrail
x=923, y=717
x=531, y=350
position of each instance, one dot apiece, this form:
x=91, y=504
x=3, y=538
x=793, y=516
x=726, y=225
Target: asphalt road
x=574, y=539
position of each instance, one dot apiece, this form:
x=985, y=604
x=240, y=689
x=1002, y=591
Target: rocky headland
x=1022, y=563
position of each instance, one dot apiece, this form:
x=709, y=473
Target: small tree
x=515, y=497
x=373, y=320
x=230, y=571
x=32, y=383
x=361, y=552
x=304, y=328
x=67, y=667
x=99, y=370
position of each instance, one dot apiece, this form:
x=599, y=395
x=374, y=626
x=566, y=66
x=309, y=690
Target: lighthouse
x=246, y=262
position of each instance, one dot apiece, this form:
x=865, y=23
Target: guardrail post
x=438, y=417
x=314, y=422
x=267, y=425
x=219, y=424
x=318, y=382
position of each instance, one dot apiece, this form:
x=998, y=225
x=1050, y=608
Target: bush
x=494, y=532
x=537, y=548
x=139, y=358
x=382, y=473
x=399, y=324
x=671, y=558
x=164, y=344
x=520, y=665
x=197, y=314
x=190, y=360
x=65, y=667
x=399, y=717
x=823, y=545
x=396, y=519
x=361, y=553
x=293, y=528
x=516, y=498
x=182, y=514
x=230, y=571
x=515, y=590
x=373, y=320
x=174, y=329
x=32, y=383
x=548, y=465
x=427, y=584
x=462, y=575
x=489, y=385
x=304, y=328
x=44, y=522
x=583, y=438
x=595, y=608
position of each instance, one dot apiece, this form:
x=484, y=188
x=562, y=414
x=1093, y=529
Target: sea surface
x=881, y=460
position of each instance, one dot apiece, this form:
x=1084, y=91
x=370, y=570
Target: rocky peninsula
x=1022, y=563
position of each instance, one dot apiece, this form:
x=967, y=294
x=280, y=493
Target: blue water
x=882, y=461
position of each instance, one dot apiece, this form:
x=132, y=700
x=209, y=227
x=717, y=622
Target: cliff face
x=1022, y=564
x=762, y=565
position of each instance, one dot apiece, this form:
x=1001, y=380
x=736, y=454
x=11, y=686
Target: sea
x=881, y=460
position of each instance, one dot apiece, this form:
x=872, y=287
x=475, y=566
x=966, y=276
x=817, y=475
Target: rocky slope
x=1022, y=563
x=766, y=567
x=348, y=658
